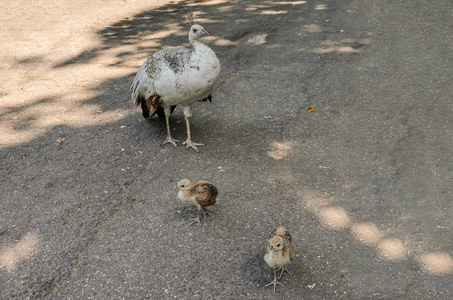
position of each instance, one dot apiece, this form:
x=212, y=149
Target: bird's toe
x=190, y=144
x=171, y=141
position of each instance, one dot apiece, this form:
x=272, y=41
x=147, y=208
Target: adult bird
x=177, y=76
x=279, y=253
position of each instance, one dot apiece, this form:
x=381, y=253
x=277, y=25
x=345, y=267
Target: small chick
x=279, y=252
x=200, y=193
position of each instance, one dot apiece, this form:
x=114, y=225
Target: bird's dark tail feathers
x=152, y=106
x=209, y=98
x=145, y=108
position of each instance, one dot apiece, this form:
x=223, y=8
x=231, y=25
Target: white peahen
x=177, y=76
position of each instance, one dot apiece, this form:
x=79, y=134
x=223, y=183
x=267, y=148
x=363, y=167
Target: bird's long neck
x=196, y=44
x=207, y=53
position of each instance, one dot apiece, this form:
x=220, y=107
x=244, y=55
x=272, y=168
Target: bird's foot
x=170, y=140
x=195, y=220
x=283, y=270
x=274, y=282
x=190, y=144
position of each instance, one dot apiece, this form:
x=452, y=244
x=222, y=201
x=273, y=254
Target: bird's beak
x=204, y=31
x=271, y=247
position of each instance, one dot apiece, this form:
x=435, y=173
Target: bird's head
x=184, y=184
x=196, y=31
x=276, y=243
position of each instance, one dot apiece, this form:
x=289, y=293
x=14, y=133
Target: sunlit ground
x=35, y=92
x=388, y=247
x=20, y=250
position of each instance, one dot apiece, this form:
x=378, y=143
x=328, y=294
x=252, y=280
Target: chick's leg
x=275, y=281
x=283, y=270
x=188, y=142
x=197, y=219
x=203, y=211
x=167, y=120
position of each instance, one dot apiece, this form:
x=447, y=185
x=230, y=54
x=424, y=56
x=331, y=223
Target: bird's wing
x=144, y=92
x=288, y=244
x=205, y=193
x=267, y=245
x=158, y=72
x=291, y=252
x=174, y=59
x=288, y=237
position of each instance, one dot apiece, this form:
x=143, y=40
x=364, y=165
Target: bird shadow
x=253, y=266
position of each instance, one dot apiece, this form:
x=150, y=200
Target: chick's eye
x=195, y=30
x=278, y=245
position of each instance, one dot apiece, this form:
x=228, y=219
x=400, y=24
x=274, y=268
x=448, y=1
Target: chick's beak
x=271, y=247
x=204, y=31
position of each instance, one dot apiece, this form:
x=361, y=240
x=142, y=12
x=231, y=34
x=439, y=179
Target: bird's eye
x=195, y=30
x=278, y=245
x=182, y=185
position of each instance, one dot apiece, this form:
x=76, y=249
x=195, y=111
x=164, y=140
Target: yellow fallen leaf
x=311, y=108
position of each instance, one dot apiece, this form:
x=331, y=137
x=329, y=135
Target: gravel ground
x=331, y=118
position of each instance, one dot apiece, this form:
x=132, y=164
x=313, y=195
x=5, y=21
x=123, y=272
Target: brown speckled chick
x=279, y=252
x=200, y=193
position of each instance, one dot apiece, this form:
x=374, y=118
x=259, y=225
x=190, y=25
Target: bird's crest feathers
x=281, y=231
x=190, y=18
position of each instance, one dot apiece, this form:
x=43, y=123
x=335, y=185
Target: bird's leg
x=197, y=219
x=275, y=281
x=204, y=211
x=283, y=270
x=188, y=142
x=167, y=120
x=201, y=211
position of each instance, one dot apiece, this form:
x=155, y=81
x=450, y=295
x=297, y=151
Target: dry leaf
x=59, y=141
x=311, y=286
x=311, y=108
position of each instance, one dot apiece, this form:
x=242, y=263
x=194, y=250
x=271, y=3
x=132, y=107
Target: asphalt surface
x=331, y=118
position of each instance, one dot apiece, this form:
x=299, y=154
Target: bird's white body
x=184, y=82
